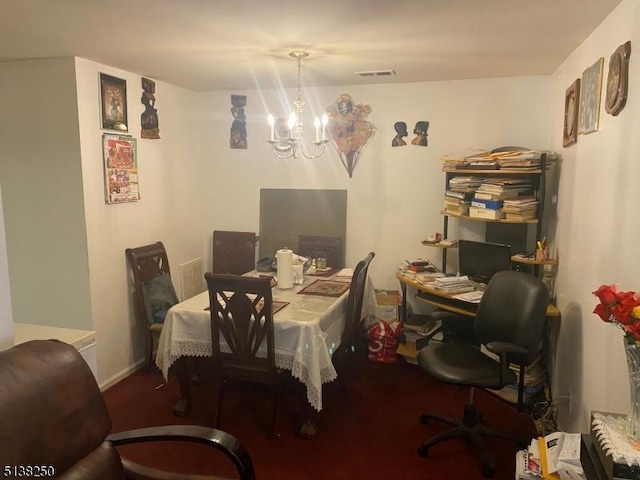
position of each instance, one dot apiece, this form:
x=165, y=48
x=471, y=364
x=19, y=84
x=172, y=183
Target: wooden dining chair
x=310, y=245
x=153, y=292
x=352, y=341
x=242, y=316
x=233, y=252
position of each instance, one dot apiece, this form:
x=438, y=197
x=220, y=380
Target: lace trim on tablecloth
x=610, y=431
x=286, y=362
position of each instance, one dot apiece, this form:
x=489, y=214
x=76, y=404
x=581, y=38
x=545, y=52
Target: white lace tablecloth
x=306, y=333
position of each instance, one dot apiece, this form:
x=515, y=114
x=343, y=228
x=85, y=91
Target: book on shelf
x=484, y=203
x=464, y=195
x=486, y=213
x=521, y=217
x=462, y=209
x=495, y=196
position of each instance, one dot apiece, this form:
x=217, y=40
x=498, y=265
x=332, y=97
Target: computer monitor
x=481, y=260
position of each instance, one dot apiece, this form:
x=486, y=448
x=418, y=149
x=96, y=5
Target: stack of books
x=456, y=202
x=489, y=209
x=453, y=285
x=521, y=208
x=503, y=188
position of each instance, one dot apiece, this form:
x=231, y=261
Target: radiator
x=192, y=278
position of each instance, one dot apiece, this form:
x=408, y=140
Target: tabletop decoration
x=622, y=309
x=326, y=288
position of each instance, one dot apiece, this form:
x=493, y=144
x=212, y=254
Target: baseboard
x=122, y=374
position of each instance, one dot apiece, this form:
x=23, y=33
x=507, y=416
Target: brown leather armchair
x=53, y=419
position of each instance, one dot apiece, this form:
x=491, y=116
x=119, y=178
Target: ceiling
x=207, y=45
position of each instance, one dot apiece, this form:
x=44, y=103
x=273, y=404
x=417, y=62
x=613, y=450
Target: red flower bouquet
x=620, y=308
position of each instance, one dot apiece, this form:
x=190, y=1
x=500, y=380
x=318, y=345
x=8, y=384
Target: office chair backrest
x=513, y=309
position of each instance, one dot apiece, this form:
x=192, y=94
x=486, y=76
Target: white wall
x=597, y=227
x=6, y=318
x=396, y=193
x=42, y=194
x=169, y=209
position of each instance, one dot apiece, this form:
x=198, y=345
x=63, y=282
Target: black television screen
x=480, y=260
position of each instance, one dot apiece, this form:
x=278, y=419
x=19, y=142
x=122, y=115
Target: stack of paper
x=521, y=208
x=554, y=456
x=453, y=285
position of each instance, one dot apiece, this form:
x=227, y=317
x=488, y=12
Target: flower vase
x=633, y=368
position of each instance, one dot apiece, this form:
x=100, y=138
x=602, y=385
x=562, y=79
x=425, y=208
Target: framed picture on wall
x=120, y=168
x=571, y=106
x=113, y=103
x=590, y=90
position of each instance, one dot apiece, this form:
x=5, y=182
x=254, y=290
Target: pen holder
x=542, y=254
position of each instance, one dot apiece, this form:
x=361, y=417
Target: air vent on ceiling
x=377, y=73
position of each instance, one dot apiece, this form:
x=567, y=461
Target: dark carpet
x=373, y=435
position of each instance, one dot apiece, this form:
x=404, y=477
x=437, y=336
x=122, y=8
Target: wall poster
x=113, y=103
x=120, y=168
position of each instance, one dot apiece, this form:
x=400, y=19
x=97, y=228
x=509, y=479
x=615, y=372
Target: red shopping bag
x=383, y=341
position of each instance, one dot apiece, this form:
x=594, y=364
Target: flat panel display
x=481, y=260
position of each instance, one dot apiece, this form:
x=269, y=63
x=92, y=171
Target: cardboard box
x=387, y=303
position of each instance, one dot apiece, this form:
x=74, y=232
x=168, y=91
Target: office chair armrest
x=222, y=441
x=505, y=347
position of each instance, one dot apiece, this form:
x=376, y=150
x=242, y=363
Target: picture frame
x=618, y=79
x=590, y=92
x=571, y=112
x=120, y=168
x=113, y=103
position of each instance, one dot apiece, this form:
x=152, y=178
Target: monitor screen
x=480, y=260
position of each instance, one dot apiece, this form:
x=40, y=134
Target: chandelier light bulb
x=292, y=146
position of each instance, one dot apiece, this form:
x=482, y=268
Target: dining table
x=308, y=324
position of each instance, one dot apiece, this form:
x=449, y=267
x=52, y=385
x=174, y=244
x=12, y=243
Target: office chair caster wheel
x=422, y=451
x=424, y=419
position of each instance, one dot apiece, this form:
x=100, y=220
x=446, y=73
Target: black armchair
x=510, y=323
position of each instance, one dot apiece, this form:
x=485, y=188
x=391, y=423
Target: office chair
x=349, y=342
x=153, y=291
x=510, y=323
x=242, y=316
x=55, y=423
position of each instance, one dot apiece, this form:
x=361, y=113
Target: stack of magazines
x=453, y=285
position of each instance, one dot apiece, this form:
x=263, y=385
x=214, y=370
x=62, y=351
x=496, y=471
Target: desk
x=444, y=301
x=307, y=331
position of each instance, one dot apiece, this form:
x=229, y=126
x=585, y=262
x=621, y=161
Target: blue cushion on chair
x=159, y=296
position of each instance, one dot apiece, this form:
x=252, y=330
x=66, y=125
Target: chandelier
x=286, y=138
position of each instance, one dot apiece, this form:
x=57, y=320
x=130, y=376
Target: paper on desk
x=563, y=452
x=471, y=297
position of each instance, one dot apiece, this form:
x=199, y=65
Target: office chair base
x=470, y=428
